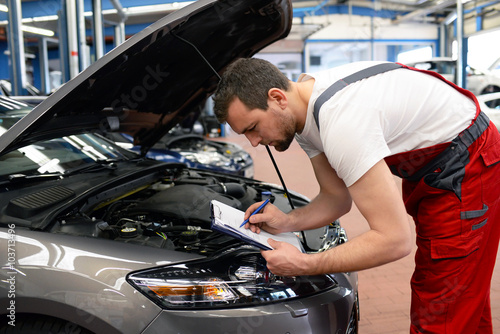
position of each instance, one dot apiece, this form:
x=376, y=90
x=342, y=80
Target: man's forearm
x=368, y=250
x=321, y=211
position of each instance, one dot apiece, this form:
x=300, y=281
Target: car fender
x=43, y=269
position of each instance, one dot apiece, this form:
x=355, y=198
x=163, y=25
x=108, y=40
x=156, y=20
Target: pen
x=256, y=211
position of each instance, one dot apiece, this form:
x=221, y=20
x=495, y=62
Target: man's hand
x=285, y=259
x=270, y=219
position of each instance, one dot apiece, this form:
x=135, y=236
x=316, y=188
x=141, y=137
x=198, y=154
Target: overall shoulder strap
x=342, y=83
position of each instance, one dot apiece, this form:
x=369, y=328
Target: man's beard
x=283, y=145
x=288, y=132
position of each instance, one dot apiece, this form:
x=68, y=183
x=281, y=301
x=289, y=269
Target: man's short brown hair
x=250, y=80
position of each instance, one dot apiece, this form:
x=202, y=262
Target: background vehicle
x=495, y=67
x=478, y=82
x=490, y=104
x=194, y=150
x=96, y=238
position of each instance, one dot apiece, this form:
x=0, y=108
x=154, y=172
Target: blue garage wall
x=4, y=60
x=39, y=8
x=53, y=54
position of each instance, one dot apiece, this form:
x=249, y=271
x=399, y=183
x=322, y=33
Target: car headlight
x=238, y=279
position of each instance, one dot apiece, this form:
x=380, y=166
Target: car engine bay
x=170, y=212
x=173, y=215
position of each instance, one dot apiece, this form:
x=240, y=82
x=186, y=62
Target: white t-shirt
x=392, y=112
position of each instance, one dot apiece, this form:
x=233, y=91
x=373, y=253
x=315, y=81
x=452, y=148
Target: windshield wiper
x=87, y=168
x=13, y=178
x=93, y=167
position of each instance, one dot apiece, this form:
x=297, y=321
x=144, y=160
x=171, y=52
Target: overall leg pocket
x=444, y=285
x=454, y=247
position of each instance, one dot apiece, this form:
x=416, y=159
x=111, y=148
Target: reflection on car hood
x=152, y=81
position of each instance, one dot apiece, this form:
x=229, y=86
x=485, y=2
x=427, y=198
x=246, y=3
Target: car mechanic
x=359, y=124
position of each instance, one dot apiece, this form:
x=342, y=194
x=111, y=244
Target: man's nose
x=253, y=139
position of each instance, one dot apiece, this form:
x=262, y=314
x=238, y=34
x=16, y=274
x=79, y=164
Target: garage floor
x=384, y=291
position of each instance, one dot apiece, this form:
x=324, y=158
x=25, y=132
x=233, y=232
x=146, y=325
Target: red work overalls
x=452, y=191
x=454, y=201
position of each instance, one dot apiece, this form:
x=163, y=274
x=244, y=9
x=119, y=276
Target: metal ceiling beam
x=70, y=10
x=425, y=11
x=119, y=10
x=97, y=25
x=16, y=47
x=43, y=54
x=310, y=10
x=119, y=26
x=462, y=52
x=83, y=58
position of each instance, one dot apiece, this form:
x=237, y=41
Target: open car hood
x=148, y=84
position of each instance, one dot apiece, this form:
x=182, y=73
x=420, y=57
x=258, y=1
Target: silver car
x=490, y=104
x=478, y=81
x=98, y=239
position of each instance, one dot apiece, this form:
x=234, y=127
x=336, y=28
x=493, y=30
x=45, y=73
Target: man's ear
x=278, y=96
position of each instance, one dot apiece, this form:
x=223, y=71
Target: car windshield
x=442, y=67
x=493, y=103
x=59, y=155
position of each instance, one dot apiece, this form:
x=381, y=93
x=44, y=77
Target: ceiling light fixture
x=38, y=31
